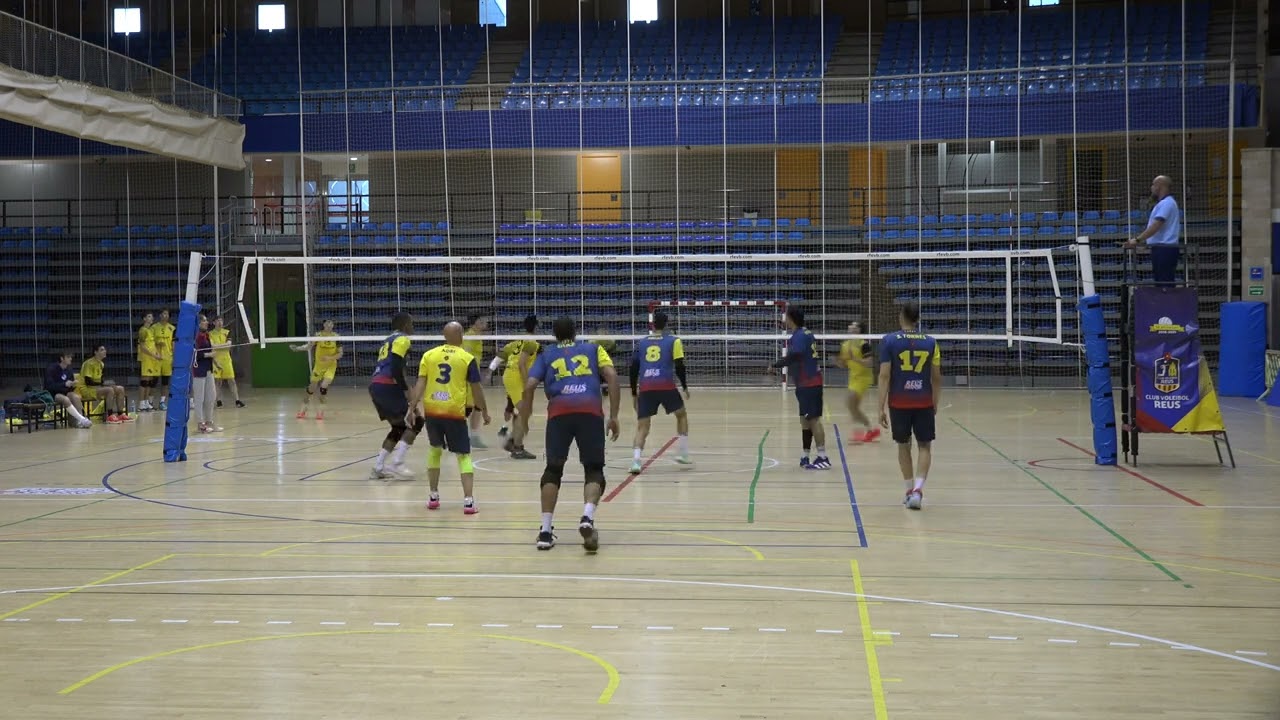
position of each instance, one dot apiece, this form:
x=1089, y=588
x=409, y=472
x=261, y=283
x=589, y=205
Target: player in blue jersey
x=571, y=370
x=657, y=364
x=805, y=370
x=910, y=385
x=391, y=398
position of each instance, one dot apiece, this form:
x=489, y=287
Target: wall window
x=127, y=20
x=1041, y=3
x=271, y=17
x=493, y=12
x=642, y=10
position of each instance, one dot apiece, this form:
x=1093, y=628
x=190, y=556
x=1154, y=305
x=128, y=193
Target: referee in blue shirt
x=1161, y=235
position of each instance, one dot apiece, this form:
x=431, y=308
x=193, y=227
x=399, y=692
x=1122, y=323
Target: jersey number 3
x=581, y=366
x=653, y=353
x=446, y=372
x=913, y=360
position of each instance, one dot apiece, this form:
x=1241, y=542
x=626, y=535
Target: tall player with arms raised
x=448, y=379
x=910, y=385
x=571, y=370
x=393, y=399
x=658, y=363
x=802, y=359
x=324, y=368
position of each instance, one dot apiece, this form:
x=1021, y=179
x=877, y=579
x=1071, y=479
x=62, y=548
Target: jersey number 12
x=581, y=366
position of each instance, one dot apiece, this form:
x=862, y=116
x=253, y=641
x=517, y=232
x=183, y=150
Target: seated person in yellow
x=518, y=355
x=91, y=387
x=223, y=368
x=856, y=355
x=149, y=358
x=323, y=369
x=163, y=333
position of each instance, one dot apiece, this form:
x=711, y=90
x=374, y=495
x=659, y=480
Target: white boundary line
x=668, y=581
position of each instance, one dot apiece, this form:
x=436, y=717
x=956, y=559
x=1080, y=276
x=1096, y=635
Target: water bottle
x=133, y=407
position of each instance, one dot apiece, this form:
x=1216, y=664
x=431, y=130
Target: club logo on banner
x=1175, y=391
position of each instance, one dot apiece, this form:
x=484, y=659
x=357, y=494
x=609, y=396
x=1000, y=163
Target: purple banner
x=1166, y=351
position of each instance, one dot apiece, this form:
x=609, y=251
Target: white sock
x=75, y=414
x=919, y=484
x=822, y=451
x=683, y=444
x=546, y=522
x=382, y=459
x=589, y=510
x=397, y=456
x=636, y=453
x=435, y=495
x=910, y=486
x=468, y=501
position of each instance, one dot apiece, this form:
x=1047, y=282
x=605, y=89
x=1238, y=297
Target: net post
x=1008, y=301
x=262, y=307
x=184, y=349
x=1085, y=255
x=193, y=278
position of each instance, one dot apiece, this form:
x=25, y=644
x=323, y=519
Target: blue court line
x=848, y=482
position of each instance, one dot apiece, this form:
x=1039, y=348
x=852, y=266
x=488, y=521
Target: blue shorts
x=648, y=402
x=810, y=401
x=390, y=402
x=449, y=433
x=905, y=422
x=584, y=429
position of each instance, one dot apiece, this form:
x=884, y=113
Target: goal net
x=999, y=313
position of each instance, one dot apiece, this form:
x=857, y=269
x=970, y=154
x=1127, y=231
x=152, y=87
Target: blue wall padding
x=1273, y=397
x=1242, y=358
x=1102, y=408
x=184, y=348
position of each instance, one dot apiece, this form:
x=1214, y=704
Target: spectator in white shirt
x=1161, y=234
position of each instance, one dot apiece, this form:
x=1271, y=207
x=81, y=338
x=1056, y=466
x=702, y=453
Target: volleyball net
x=1005, y=316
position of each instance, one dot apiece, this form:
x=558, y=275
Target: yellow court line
x=614, y=679
x=74, y=590
x=758, y=555
x=1033, y=411
x=604, y=698
x=869, y=643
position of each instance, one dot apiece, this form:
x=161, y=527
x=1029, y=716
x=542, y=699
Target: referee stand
x=1136, y=281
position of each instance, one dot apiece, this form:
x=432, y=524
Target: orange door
x=797, y=193
x=866, y=184
x=599, y=187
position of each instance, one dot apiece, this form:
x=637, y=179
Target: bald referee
x=1161, y=235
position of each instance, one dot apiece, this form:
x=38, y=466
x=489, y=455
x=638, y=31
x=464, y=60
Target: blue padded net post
x=184, y=348
x=1102, y=409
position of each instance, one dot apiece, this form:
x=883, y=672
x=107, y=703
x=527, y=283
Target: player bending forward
x=392, y=399
x=323, y=370
x=658, y=362
x=518, y=355
x=449, y=378
x=571, y=370
x=802, y=359
x=855, y=355
x=910, y=385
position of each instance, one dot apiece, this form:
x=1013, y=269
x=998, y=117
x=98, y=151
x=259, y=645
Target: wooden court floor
x=267, y=577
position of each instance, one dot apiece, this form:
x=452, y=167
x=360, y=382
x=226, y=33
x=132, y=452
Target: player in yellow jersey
x=224, y=369
x=449, y=378
x=150, y=359
x=855, y=354
x=163, y=332
x=476, y=325
x=91, y=387
x=323, y=368
x=518, y=355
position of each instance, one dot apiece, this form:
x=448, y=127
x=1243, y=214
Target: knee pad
x=553, y=474
x=310, y=391
x=324, y=390
x=465, y=465
x=418, y=424
x=395, y=433
x=594, y=473
x=433, y=457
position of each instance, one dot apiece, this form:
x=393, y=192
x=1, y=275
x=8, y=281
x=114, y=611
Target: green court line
x=755, y=479
x=1072, y=503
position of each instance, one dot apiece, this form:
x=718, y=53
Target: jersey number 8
x=653, y=353
x=581, y=366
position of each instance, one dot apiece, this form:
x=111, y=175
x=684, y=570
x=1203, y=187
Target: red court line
x=623, y=485
x=1138, y=475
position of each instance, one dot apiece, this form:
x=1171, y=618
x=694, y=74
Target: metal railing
x=36, y=49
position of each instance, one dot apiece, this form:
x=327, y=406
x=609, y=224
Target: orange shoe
x=113, y=420
x=872, y=435
x=124, y=417
x=302, y=415
x=320, y=415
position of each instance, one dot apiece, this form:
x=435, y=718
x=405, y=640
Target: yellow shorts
x=324, y=372
x=86, y=393
x=859, y=386
x=166, y=366
x=150, y=368
x=514, y=385
x=223, y=369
